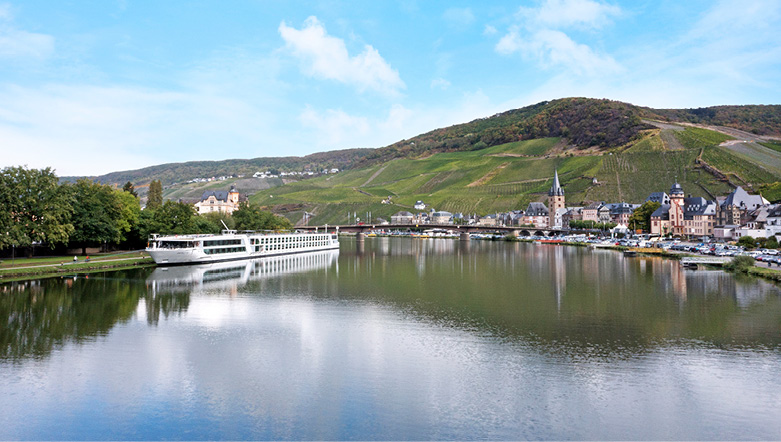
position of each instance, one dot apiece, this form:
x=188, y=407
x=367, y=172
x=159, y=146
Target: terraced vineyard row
x=617, y=163
x=729, y=164
x=696, y=138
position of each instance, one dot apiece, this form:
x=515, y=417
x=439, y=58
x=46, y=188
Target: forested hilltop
x=757, y=119
x=582, y=122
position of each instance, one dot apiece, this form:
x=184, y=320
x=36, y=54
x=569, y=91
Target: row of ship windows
x=224, y=250
x=222, y=242
x=283, y=240
x=258, y=248
x=292, y=246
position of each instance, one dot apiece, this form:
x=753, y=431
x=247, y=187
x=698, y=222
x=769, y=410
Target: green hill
x=504, y=161
x=509, y=176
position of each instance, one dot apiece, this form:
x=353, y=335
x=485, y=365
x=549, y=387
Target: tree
x=154, y=198
x=130, y=213
x=128, y=187
x=747, y=242
x=641, y=217
x=97, y=214
x=34, y=209
x=172, y=218
x=251, y=217
x=212, y=222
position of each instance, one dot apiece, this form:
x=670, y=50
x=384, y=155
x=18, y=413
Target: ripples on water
x=396, y=339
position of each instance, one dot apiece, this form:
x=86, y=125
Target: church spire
x=556, y=189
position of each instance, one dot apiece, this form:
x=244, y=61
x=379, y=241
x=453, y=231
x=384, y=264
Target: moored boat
x=232, y=245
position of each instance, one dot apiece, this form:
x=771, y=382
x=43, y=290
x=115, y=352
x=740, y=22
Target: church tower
x=555, y=199
x=676, y=208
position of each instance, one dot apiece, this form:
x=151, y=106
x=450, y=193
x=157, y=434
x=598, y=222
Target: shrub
x=740, y=264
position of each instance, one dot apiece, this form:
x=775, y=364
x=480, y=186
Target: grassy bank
x=21, y=269
x=763, y=272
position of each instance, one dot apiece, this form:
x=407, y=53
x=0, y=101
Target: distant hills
x=603, y=149
x=170, y=173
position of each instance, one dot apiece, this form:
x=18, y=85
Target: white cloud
x=335, y=128
x=440, y=83
x=749, y=48
x=553, y=48
x=490, y=30
x=538, y=35
x=17, y=43
x=586, y=14
x=327, y=57
x=459, y=17
x=399, y=118
x=90, y=130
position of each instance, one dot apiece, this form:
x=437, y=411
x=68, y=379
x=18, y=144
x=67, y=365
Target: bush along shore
x=746, y=265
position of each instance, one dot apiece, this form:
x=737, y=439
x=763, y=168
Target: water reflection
x=43, y=315
x=565, y=296
x=402, y=339
x=230, y=276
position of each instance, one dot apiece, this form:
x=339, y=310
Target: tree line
x=36, y=210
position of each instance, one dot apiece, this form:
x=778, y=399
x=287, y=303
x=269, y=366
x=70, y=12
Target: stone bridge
x=465, y=230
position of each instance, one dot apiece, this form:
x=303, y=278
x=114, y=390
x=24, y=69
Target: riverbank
x=34, y=268
x=760, y=270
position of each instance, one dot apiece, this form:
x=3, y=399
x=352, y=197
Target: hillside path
x=374, y=175
x=664, y=126
x=618, y=186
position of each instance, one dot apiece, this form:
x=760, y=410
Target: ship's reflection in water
x=230, y=276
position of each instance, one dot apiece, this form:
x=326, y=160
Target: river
x=396, y=338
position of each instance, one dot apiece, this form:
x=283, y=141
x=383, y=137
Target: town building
x=572, y=214
x=659, y=197
x=488, y=220
x=219, y=201
x=603, y=214
x=762, y=223
x=591, y=212
x=684, y=216
x=620, y=212
x=537, y=215
x=402, y=217
x=441, y=217
x=736, y=207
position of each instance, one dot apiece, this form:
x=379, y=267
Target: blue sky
x=90, y=87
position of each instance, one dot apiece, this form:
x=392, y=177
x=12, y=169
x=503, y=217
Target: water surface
x=395, y=339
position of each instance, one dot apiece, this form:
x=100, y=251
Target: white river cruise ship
x=232, y=245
